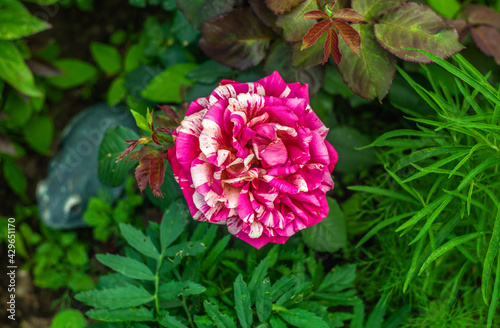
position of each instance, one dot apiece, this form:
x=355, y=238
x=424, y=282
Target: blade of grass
x=422, y=213
x=431, y=219
x=493, y=160
x=448, y=246
x=380, y=226
x=491, y=253
x=382, y=192
x=494, y=298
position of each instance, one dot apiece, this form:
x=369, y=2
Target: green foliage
x=442, y=178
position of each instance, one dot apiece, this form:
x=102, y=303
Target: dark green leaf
x=120, y=315
x=338, y=279
x=303, y=319
x=126, y=266
x=257, y=276
x=490, y=257
x=370, y=74
x=166, y=86
x=168, y=321
x=263, y=301
x=188, y=248
x=173, y=222
x=211, y=258
x=182, y=30
x=329, y=235
x=276, y=322
x=115, y=298
x=209, y=72
x=281, y=286
x=243, y=303
x=241, y=47
x=14, y=71
x=221, y=320
x=138, y=240
x=173, y=289
x=107, y=57
x=112, y=145
x=76, y=72
x=14, y=176
x=416, y=26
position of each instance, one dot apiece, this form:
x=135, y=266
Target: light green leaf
x=14, y=71
x=16, y=24
x=243, y=303
x=115, y=298
x=116, y=91
x=126, y=266
x=445, y=8
x=14, y=176
x=138, y=240
x=107, y=57
x=329, y=235
x=173, y=222
x=108, y=171
x=39, y=132
x=69, y=318
x=448, y=247
x=76, y=72
x=166, y=86
x=141, y=121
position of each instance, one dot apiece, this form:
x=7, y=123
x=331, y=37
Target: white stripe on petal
x=255, y=230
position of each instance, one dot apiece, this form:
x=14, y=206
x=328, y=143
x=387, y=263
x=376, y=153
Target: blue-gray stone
x=72, y=178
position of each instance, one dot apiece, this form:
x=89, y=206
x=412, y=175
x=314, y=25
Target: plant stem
x=184, y=304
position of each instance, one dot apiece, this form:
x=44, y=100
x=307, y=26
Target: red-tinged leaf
x=156, y=175
x=460, y=25
x=350, y=35
x=143, y=171
x=282, y=6
x=481, y=15
x=347, y=14
x=315, y=32
x=372, y=9
x=316, y=14
x=128, y=150
x=487, y=39
x=165, y=130
x=261, y=10
x=370, y=74
x=155, y=138
x=138, y=155
x=169, y=111
x=332, y=47
x=416, y=26
x=333, y=3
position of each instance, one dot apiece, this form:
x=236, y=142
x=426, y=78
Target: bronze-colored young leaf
x=487, y=39
x=370, y=74
x=478, y=14
x=349, y=34
x=293, y=24
x=237, y=39
x=347, y=14
x=416, y=26
x=142, y=171
x=316, y=14
x=282, y=6
x=372, y=9
x=332, y=48
x=315, y=32
x=156, y=175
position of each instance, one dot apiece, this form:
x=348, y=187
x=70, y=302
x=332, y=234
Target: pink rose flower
x=253, y=156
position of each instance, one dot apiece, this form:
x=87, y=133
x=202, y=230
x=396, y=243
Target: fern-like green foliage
x=443, y=178
x=168, y=277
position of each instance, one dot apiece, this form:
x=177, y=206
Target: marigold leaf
x=302, y=318
x=126, y=266
x=347, y=14
x=138, y=240
x=115, y=298
x=316, y=14
x=243, y=304
x=350, y=35
x=221, y=320
x=263, y=302
x=120, y=315
x=314, y=33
